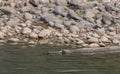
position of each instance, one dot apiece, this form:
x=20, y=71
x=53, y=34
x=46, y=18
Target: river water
x=16, y=59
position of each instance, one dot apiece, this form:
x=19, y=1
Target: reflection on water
x=17, y=60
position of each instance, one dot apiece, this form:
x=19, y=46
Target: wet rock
x=26, y=31
x=61, y=2
x=44, y=33
x=13, y=40
x=93, y=45
x=33, y=35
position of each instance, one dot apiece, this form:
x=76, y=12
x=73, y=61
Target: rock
x=35, y=2
x=105, y=1
x=61, y=2
x=93, y=45
x=73, y=15
x=104, y=39
x=12, y=23
x=51, y=18
x=60, y=10
x=76, y=2
x=44, y=33
x=80, y=42
x=67, y=23
x=2, y=41
x=111, y=29
x=93, y=40
x=116, y=41
x=28, y=16
x=102, y=45
x=13, y=40
x=74, y=29
x=58, y=25
x=89, y=13
x=8, y=10
x=33, y=35
x=44, y=1
x=26, y=31
x=2, y=35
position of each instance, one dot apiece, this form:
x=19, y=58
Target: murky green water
x=17, y=60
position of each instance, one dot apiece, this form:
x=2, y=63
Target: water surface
x=34, y=60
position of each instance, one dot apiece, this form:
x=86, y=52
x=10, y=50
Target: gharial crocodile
x=87, y=51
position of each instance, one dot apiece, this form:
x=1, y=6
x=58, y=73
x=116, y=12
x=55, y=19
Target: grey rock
x=8, y=10
x=74, y=29
x=58, y=25
x=34, y=2
x=67, y=23
x=60, y=10
x=106, y=22
x=111, y=29
x=61, y=2
x=44, y=1
x=76, y=2
x=28, y=16
x=73, y=14
x=51, y=18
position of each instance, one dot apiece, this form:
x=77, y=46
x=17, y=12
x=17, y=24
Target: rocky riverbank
x=70, y=22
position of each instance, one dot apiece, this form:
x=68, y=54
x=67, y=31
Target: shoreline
x=81, y=23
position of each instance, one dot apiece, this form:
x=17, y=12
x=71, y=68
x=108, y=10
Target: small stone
x=33, y=35
x=26, y=31
x=14, y=40
x=93, y=45
x=2, y=41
